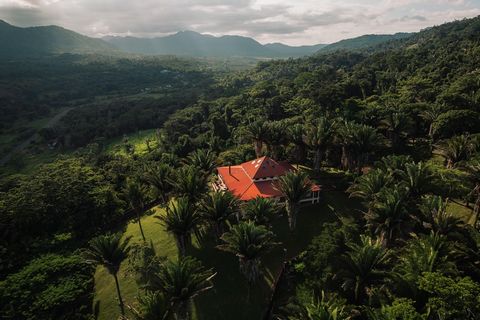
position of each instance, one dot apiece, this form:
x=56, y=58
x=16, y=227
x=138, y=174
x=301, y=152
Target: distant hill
x=289, y=51
x=32, y=41
x=363, y=42
x=195, y=44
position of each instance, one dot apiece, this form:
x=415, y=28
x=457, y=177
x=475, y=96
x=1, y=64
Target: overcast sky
x=293, y=22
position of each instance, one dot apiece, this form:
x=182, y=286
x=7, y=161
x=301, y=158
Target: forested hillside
x=392, y=135
x=34, y=41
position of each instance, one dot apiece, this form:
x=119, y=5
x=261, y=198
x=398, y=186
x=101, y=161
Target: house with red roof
x=256, y=178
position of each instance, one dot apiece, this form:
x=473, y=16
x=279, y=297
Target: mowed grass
x=461, y=211
x=229, y=299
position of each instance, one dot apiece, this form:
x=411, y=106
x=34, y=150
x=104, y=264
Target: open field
x=230, y=291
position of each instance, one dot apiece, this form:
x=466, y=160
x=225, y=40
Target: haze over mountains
x=30, y=41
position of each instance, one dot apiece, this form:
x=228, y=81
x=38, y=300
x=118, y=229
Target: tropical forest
x=208, y=177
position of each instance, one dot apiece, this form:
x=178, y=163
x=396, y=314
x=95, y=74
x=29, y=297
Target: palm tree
x=294, y=187
x=275, y=138
x=388, y=217
x=135, y=195
x=181, y=281
x=357, y=142
x=393, y=164
x=362, y=268
x=434, y=216
x=474, y=173
x=248, y=242
x=431, y=115
x=109, y=251
x=260, y=210
x=296, y=136
x=417, y=178
x=455, y=149
x=157, y=177
x=203, y=160
x=217, y=208
x=317, y=138
x=189, y=182
x=181, y=220
x=152, y=306
x=366, y=139
x=397, y=125
x=257, y=132
x=428, y=253
x=321, y=309
x=369, y=185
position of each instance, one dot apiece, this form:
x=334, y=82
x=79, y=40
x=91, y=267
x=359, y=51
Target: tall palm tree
x=455, y=149
x=109, y=251
x=366, y=139
x=388, y=217
x=189, y=182
x=357, y=142
x=393, y=164
x=181, y=281
x=363, y=266
x=317, y=138
x=152, y=306
x=296, y=136
x=257, y=132
x=417, y=178
x=275, y=138
x=203, y=160
x=217, y=208
x=157, y=177
x=294, y=187
x=474, y=174
x=248, y=242
x=369, y=185
x=431, y=115
x=435, y=217
x=260, y=210
x=181, y=220
x=428, y=253
x=135, y=194
x=397, y=125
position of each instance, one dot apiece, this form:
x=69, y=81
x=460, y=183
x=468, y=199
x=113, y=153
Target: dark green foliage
x=180, y=281
x=451, y=298
x=455, y=122
x=50, y=287
x=67, y=196
x=248, y=242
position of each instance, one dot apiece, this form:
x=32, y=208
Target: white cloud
x=290, y=21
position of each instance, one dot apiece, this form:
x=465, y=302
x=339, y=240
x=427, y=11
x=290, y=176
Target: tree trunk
x=183, y=311
x=317, y=160
x=292, y=216
x=120, y=300
x=258, y=148
x=181, y=245
x=344, y=158
x=140, y=226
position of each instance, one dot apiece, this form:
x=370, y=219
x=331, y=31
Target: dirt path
x=20, y=147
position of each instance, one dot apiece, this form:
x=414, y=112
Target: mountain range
x=31, y=41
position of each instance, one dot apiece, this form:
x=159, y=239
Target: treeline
x=30, y=87
x=417, y=102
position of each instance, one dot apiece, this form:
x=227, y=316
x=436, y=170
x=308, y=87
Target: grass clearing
x=230, y=292
x=137, y=140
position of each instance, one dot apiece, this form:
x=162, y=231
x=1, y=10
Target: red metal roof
x=265, y=167
x=240, y=179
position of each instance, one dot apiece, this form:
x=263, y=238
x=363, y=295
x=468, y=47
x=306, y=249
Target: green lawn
x=116, y=145
x=230, y=292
